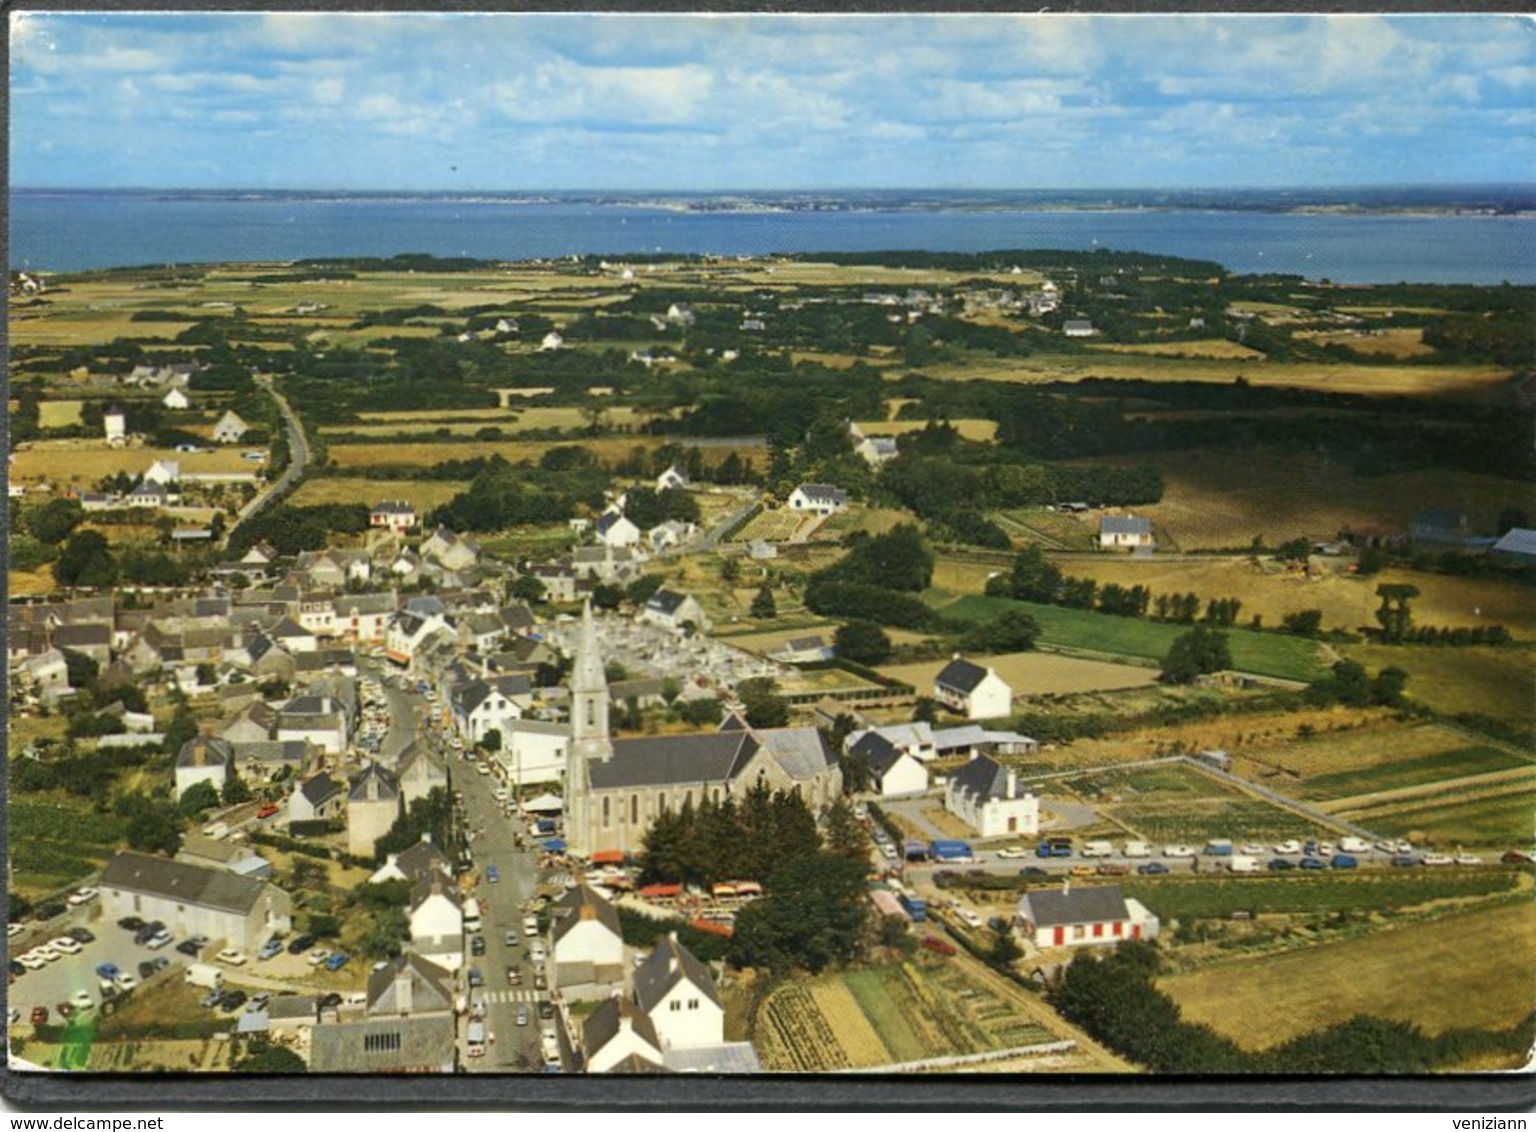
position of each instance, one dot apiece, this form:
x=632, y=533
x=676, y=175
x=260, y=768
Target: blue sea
x=73, y=231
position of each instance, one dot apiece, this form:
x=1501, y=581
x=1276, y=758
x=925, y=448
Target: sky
x=467, y=102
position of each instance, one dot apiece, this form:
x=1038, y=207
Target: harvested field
x=84, y=462
x=1037, y=673
x=1398, y=342
x=58, y=414
x=970, y=428
x=422, y=494
x=607, y=449
x=1201, y=348
x=1264, y=1002
x=467, y=422
x=30, y=583
x=1216, y=499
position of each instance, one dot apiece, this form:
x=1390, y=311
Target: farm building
x=193, y=899
x=987, y=796
x=1085, y=917
x=822, y=498
x=973, y=691
x=803, y=650
x=1122, y=531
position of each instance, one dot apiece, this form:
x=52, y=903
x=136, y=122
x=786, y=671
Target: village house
x=394, y=515
x=192, y=899
x=114, y=423
x=437, y=923
x=319, y=720
x=449, y=550
x=988, y=797
x=678, y=995
x=230, y=428
x=673, y=479
x=203, y=758
x=315, y=801
x=176, y=400
x=533, y=750
x=894, y=771
x=1078, y=328
x=422, y=861
x=586, y=945
x=669, y=609
x=420, y=772
x=972, y=691
x=820, y=498
x=373, y=805
x=618, y=1037
x=614, y=530
x=1118, y=532
x=1098, y=916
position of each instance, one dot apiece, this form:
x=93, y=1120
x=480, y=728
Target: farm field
x=609, y=449
x=1346, y=601
x=466, y=422
x=1220, y=348
x=1398, y=342
x=422, y=494
x=1490, y=817
x=969, y=428
x=58, y=414
x=1495, y=682
x=875, y=520
x=1340, y=744
x=1460, y=762
x=1217, y=897
x=82, y=463
x=1216, y=499
x=55, y=839
x=1051, y=529
x=1264, y=1002
x=1176, y=803
x=1263, y=653
x=1037, y=673
x=914, y=1011
x=1331, y=377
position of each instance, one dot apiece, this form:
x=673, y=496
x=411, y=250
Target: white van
x=530, y=925
x=204, y=975
x=1241, y=864
x=1354, y=845
x=474, y=1043
x=1137, y=849
x=1098, y=849
x=471, y=916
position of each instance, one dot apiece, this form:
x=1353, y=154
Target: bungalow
x=614, y=530
x=987, y=796
x=230, y=428
x=394, y=515
x=678, y=995
x=821, y=498
x=972, y=691
x=672, y=610
x=188, y=899
x=203, y=759
x=586, y=945
x=317, y=799
x=1078, y=328
x=876, y=450
x=148, y=494
x=1117, y=531
x=893, y=770
x=1086, y=917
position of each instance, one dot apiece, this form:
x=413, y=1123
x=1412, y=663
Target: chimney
x=1013, y=783
x=403, y=1001
x=672, y=963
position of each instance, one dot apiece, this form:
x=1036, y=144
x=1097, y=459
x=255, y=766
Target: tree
x=491, y=740
x=198, y=797
x=642, y=589
x=1393, y=614
x=81, y=670
x=812, y=916
x=1388, y=687
x=607, y=596
x=730, y=570
x=183, y=727
x=86, y=560
x=153, y=826
x=1304, y=622
x=55, y=520
x=764, y=709
x=1201, y=650
x=206, y=674
x=527, y=588
x=235, y=790
x=703, y=712
x=1005, y=951
x=925, y=710
x=1014, y=631
x=264, y=1058
x=862, y=642
x=763, y=606
x=845, y=836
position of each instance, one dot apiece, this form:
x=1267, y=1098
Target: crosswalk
x=519, y=995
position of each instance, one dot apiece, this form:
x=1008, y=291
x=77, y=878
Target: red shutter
x=1135, y=931
x=1119, y=928
x=1098, y=931
x=1061, y=936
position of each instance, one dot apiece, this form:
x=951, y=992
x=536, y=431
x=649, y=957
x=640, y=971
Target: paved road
x=298, y=453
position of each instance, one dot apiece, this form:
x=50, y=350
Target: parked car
x=125, y=982
x=318, y=956
x=1313, y=863
x=337, y=962
x=160, y=939
x=1344, y=861
x=514, y=977
x=211, y=998
x=267, y=811
x=511, y=938
x=66, y=946
x=1468, y=859
x=1404, y=861
x=82, y=1000
x=477, y=945
x=546, y=1009
x=1290, y=848
x=1012, y=853
x=189, y=947
x=273, y=947
x=108, y=971
x=130, y=923
x=1279, y=864
x=232, y=1000
x=1436, y=859
x=1179, y=851
x=82, y=896
x=231, y=955
x=39, y=1015
x=300, y=944
x=492, y=874
x=66, y=1010
x=1515, y=857
x=1152, y=868
x=522, y=1016
x=81, y=935
x=475, y=978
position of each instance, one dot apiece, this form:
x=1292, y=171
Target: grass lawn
x=83, y=462
x=56, y=840
x=1218, y=896
x=1458, y=763
x=58, y=414
x=1487, y=681
x=1467, y=970
x=1220, y=348
x=1037, y=673
x=1265, y=654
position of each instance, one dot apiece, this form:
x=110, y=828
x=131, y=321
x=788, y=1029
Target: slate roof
x=428, y=886
x=292, y=1007
x=664, y=760
x=374, y=785
x=393, y=507
x=270, y=751
x=384, y=1045
x=578, y=905
x=1519, y=540
x=961, y=675
x=805, y=644
x=517, y=617
x=320, y=789
x=604, y=1023
x=985, y=778
x=1125, y=525
x=609, y=520
x=1047, y=907
x=517, y=684
x=364, y=604
x=823, y=493
x=667, y=965
x=801, y=751
x=82, y=636
x=424, y=859
x=878, y=751
x=666, y=601
x=204, y=750
x=431, y=987
x=736, y=1059
x=182, y=882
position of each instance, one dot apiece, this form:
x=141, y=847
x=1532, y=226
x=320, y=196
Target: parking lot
x=59, y=980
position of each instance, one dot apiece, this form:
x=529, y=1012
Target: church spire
x=588, y=674
x=589, y=693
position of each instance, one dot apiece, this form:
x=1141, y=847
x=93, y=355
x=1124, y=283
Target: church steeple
x=589, y=692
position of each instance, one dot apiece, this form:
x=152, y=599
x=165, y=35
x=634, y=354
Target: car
x=148, y=932
x=160, y=939
x=1033, y=871
x=14, y=930
x=186, y=448
x=511, y=937
x=337, y=961
x=1081, y=870
x=514, y=977
x=81, y=896
x=189, y=947
x=146, y=968
x=330, y=1000
x=546, y=1009
x=81, y=935
x=130, y=923
x=1313, y=863
x=1343, y=861
x=492, y=874
x=1433, y=859
x=271, y=948
x=475, y=978
x=1515, y=857
x=65, y=945
x=39, y=1015
x=1012, y=853
x=482, y=768
x=1468, y=859
x=66, y=1010
x=211, y=998
x=232, y=1000
x=107, y=971
x=125, y=982
x=1179, y=851
x=1112, y=869
x=1403, y=861
x=31, y=960
x=82, y=1000
x=539, y=981
x=300, y=944
x=1152, y=868
x=267, y=811
x=521, y=1017
x=318, y=956
x=1279, y=864
x=1289, y=848
x=18, y=968
x=1252, y=849
x=231, y=955
x=47, y=953
x=477, y=945
x=259, y=1000
x=536, y=952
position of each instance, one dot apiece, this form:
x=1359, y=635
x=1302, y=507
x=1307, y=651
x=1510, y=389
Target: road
x=298, y=453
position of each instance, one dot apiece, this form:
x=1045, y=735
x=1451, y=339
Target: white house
x=451, y=551
x=203, y=758
x=876, y=450
x=987, y=796
x=533, y=751
x=586, y=945
x=230, y=428
x=176, y=399
x=479, y=707
x=194, y=899
x=822, y=498
x=316, y=799
x=1117, y=531
x=320, y=720
x=616, y=1036
x=671, y=532
x=1078, y=328
x=424, y=860
x=373, y=805
x=614, y=530
x=437, y=923
x=678, y=995
x=1100, y=916
x=893, y=770
x=973, y=691
x=551, y=341
x=163, y=472
x=407, y=631
x=673, y=479
x=395, y=515
x=672, y=610
x=114, y=423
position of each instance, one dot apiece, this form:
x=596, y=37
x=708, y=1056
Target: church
x=615, y=788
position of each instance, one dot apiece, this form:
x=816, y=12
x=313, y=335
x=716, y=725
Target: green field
x=1495, y=822
x=56, y=840
x=1265, y=654
x=1459, y=763
x=1179, y=898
